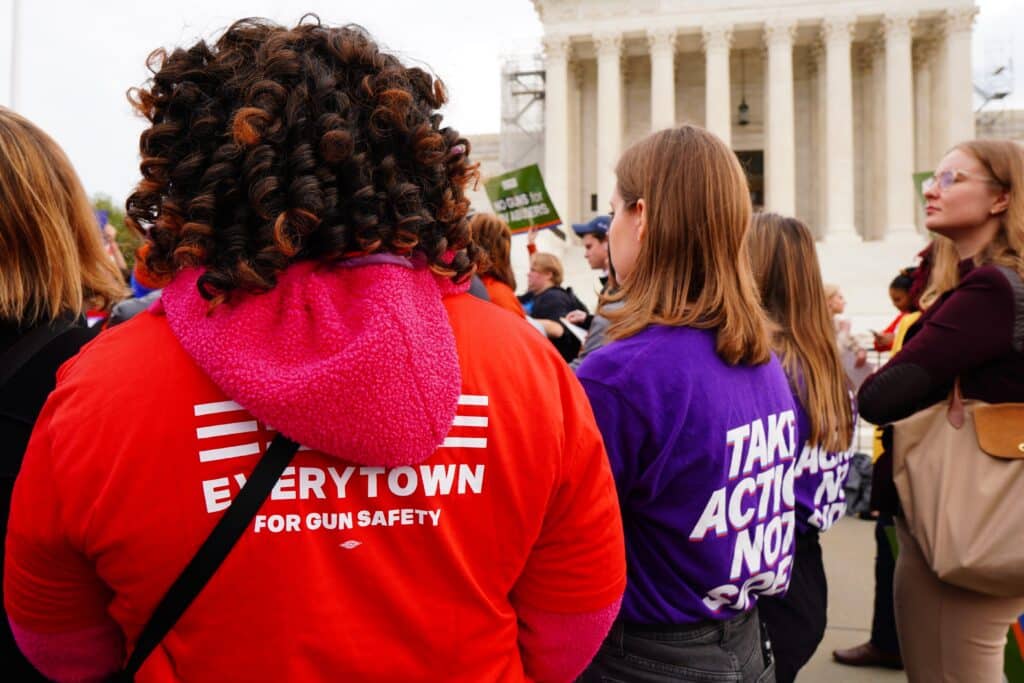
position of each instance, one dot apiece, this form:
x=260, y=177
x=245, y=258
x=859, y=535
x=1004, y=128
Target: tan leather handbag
x=959, y=471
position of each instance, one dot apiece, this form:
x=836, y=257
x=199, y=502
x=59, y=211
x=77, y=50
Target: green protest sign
x=919, y=178
x=520, y=199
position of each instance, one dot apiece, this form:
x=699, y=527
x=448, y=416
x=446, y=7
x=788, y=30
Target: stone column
x=924, y=50
x=556, y=122
x=780, y=156
x=718, y=106
x=875, y=228
x=818, y=140
x=839, y=211
x=609, y=112
x=863, y=58
x=899, y=125
x=662, y=43
x=959, y=87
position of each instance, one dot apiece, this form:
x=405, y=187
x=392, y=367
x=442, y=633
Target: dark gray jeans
x=709, y=652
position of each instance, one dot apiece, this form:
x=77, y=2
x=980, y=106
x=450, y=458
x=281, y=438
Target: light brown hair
x=692, y=268
x=548, y=263
x=1004, y=161
x=945, y=271
x=494, y=237
x=51, y=252
x=786, y=268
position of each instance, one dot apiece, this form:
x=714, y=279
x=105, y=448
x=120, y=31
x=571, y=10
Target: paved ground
x=849, y=550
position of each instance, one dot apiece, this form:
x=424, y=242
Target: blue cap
x=597, y=226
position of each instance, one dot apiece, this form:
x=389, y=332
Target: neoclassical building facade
x=841, y=101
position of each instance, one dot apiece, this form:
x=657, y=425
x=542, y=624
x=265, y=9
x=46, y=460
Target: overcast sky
x=75, y=60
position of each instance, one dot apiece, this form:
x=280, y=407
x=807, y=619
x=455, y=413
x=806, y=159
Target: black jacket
x=554, y=303
x=21, y=398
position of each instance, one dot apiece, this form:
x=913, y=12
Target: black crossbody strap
x=211, y=554
x=33, y=342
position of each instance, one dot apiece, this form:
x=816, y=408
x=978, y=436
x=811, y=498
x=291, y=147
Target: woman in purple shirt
x=974, y=332
x=786, y=267
x=697, y=418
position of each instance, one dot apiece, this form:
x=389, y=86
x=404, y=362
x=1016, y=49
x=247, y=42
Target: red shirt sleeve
x=49, y=586
x=578, y=562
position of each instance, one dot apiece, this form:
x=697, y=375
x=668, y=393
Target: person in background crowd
x=595, y=250
x=494, y=238
x=899, y=294
x=52, y=266
x=295, y=296
x=882, y=649
x=110, y=245
x=855, y=358
x=594, y=235
x=786, y=268
x=598, y=329
x=974, y=333
x=695, y=412
x=547, y=301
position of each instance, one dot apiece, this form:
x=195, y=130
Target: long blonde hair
x=691, y=269
x=945, y=272
x=1004, y=160
x=51, y=252
x=786, y=268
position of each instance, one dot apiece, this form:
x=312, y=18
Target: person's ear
x=641, y=218
x=1001, y=203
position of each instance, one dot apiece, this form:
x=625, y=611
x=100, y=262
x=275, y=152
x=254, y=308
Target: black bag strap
x=31, y=343
x=211, y=554
x=1017, y=285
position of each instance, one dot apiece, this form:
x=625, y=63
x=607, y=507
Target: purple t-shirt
x=818, y=480
x=702, y=454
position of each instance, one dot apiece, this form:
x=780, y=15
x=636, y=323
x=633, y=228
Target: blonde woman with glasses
x=974, y=333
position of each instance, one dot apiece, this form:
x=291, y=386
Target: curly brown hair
x=275, y=145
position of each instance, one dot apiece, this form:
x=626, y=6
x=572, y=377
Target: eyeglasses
x=945, y=180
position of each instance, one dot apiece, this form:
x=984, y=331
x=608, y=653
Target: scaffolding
x=522, y=112
x=994, y=86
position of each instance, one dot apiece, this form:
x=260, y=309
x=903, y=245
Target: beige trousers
x=947, y=634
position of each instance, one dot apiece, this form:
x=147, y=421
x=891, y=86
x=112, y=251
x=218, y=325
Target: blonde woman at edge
x=52, y=267
x=973, y=332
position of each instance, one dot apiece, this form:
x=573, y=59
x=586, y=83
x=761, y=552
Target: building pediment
x=580, y=17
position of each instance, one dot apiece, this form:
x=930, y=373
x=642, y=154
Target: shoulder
x=658, y=350
x=134, y=361
x=985, y=290
x=553, y=294
x=991, y=276
x=484, y=330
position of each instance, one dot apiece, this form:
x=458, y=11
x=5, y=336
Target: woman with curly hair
x=303, y=208
x=52, y=268
x=494, y=238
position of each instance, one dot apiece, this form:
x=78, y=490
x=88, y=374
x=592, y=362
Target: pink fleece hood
x=356, y=359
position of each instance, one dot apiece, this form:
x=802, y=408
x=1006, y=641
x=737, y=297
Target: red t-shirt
x=502, y=295
x=348, y=572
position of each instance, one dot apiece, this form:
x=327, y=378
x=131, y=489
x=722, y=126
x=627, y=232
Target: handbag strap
x=211, y=554
x=31, y=343
x=1017, y=285
x=955, y=414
